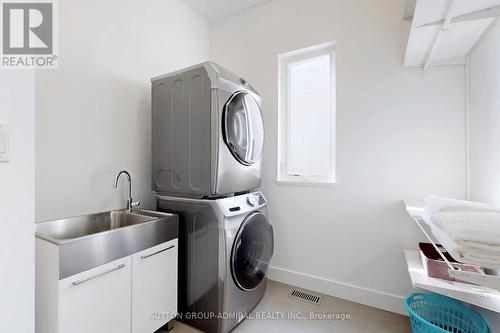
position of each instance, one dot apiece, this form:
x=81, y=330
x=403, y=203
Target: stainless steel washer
x=208, y=133
x=225, y=246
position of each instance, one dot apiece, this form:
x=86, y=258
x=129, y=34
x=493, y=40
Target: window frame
x=285, y=60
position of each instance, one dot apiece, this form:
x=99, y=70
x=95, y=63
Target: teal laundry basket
x=431, y=313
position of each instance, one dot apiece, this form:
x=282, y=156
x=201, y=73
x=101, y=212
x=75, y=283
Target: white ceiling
x=216, y=9
x=431, y=43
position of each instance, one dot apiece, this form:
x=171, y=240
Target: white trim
x=284, y=62
x=306, y=183
x=314, y=48
x=350, y=292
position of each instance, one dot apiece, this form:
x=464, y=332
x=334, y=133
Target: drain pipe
x=467, y=126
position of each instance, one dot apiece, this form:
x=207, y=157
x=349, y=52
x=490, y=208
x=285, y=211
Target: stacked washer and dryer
x=208, y=137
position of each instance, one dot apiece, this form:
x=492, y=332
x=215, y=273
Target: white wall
x=93, y=113
x=484, y=127
x=484, y=117
x=400, y=134
x=17, y=211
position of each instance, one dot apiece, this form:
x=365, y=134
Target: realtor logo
x=28, y=34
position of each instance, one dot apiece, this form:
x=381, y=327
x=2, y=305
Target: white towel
x=477, y=230
x=435, y=204
x=469, y=230
x=465, y=254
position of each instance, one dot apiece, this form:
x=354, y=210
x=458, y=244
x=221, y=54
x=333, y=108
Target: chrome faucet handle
x=130, y=202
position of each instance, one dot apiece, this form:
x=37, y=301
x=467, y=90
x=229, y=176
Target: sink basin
x=88, y=241
x=80, y=226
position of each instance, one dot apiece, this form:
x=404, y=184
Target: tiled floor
x=363, y=319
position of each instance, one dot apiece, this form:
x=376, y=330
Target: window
x=306, y=128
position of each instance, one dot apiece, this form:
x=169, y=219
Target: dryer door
x=252, y=250
x=243, y=128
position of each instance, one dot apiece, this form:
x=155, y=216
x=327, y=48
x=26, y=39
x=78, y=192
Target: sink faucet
x=130, y=202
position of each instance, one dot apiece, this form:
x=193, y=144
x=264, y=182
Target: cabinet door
x=154, y=290
x=97, y=300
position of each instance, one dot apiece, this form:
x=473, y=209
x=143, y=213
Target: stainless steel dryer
x=208, y=133
x=225, y=246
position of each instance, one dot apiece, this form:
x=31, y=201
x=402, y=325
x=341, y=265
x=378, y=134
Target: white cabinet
x=134, y=294
x=97, y=300
x=154, y=287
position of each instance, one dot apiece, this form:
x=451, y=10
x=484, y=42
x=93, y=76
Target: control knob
x=251, y=201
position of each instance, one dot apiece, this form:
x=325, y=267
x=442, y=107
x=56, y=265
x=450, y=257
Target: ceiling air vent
x=304, y=296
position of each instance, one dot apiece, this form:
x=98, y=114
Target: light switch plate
x=4, y=143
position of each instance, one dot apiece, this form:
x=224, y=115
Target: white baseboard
x=370, y=297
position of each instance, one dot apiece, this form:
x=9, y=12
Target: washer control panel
x=240, y=204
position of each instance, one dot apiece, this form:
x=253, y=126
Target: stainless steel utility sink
x=88, y=241
x=75, y=227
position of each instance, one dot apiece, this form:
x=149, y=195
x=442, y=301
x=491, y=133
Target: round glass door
x=243, y=128
x=252, y=251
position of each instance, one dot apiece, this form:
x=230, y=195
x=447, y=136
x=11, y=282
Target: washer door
x=243, y=128
x=252, y=250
